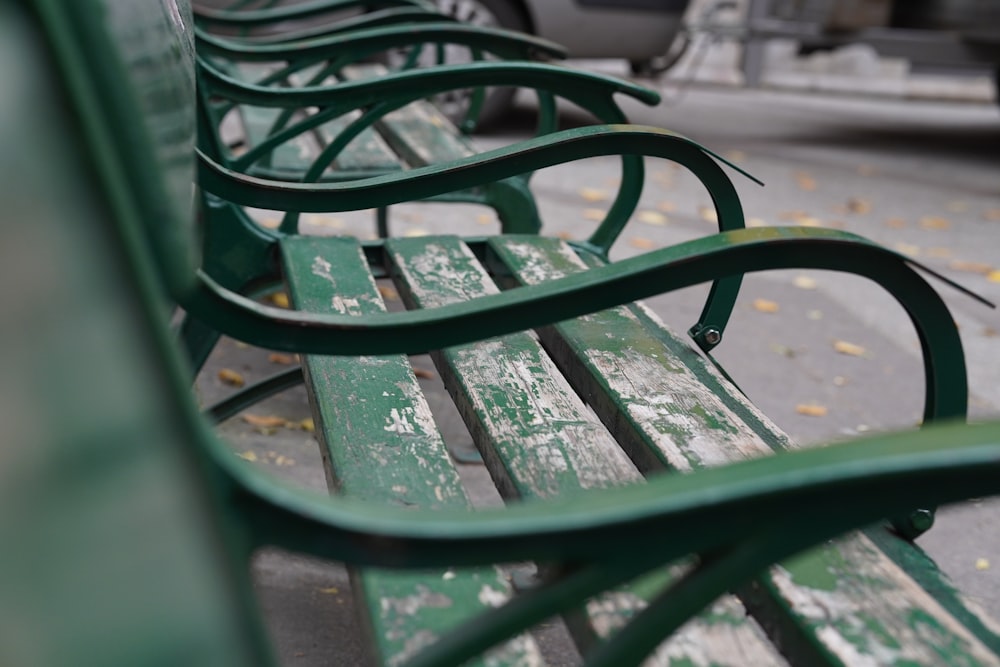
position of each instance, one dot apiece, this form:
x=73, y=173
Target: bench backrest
x=129, y=65
x=111, y=553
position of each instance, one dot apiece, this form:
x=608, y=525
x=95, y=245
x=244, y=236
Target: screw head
x=712, y=336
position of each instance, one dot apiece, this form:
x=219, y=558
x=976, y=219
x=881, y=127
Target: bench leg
x=514, y=205
x=382, y=221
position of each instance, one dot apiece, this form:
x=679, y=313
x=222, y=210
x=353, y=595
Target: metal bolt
x=712, y=336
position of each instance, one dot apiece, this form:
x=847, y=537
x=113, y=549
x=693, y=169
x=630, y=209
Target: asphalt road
x=921, y=177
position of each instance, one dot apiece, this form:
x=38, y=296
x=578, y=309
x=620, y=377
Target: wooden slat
x=380, y=443
x=418, y=132
x=847, y=601
x=540, y=440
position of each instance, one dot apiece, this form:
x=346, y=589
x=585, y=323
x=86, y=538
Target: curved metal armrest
x=246, y=18
x=502, y=43
x=702, y=260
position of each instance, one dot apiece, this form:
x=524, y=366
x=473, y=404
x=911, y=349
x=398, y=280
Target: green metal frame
x=736, y=519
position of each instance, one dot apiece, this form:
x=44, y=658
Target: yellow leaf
x=804, y=282
x=896, y=223
x=248, y=456
x=308, y=425
x=594, y=214
x=423, y=373
x=805, y=181
x=388, y=293
x=859, y=205
x=993, y=215
x=808, y=221
x=593, y=194
x=485, y=218
x=564, y=235
x=320, y=220
x=416, y=231
x=281, y=358
x=765, y=306
x=970, y=267
x=940, y=253
x=283, y=461
x=991, y=332
x=231, y=377
x=982, y=564
x=811, y=410
x=667, y=206
x=279, y=299
x=934, y=222
x=993, y=276
x=815, y=315
x=270, y=223
x=708, y=214
x=264, y=421
x=333, y=590
x=756, y=222
x=641, y=243
x=908, y=249
x=850, y=349
x=735, y=156
x=652, y=218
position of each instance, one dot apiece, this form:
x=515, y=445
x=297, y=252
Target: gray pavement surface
x=920, y=176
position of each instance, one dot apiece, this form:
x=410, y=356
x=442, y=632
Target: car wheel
x=489, y=13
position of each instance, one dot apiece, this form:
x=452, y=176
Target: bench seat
x=598, y=401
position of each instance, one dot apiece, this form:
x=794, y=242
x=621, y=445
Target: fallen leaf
x=793, y=215
x=735, y=156
x=840, y=381
x=934, y=222
x=939, y=253
x=896, y=223
x=641, y=243
x=804, y=282
x=485, y=218
x=667, y=206
x=815, y=315
x=307, y=425
x=564, y=235
x=279, y=299
x=805, y=181
x=991, y=332
x=415, y=232
x=849, y=349
x=248, y=456
x=423, y=373
x=613, y=182
x=993, y=215
x=908, y=249
x=811, y=410
x=652, y=218
x=388, y=293
x=993, y=276
x=970, y=267
x=594, y=214
x=783, y=350
x=283, y=461
x=836, y=224
x=982, y=564
x=809, y=221
x=231, y=377
x=270, y=223
x=958, y=206
x=756, y=222
x=765, y=306
x=264, y=421
x=708, y=214
x=333, y=590
x=324, y=221
x=859, y=205
x=593, y=194
x=281, y=358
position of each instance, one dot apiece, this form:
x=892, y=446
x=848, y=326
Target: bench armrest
x=248, y=18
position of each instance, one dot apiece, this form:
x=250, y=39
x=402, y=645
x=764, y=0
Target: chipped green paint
x=820, y=569
x=381, y=444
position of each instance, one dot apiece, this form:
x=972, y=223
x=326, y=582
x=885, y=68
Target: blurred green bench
x=127, y=526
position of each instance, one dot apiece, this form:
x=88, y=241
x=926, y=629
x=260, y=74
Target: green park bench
x=126, y=526
x=282, y=111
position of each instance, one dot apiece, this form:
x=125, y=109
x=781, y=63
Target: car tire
x=505, y=14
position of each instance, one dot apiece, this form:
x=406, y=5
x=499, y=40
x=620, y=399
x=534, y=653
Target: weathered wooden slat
x=380, y=443
x=418, y=132
x=659, y=398
x=540, y=440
